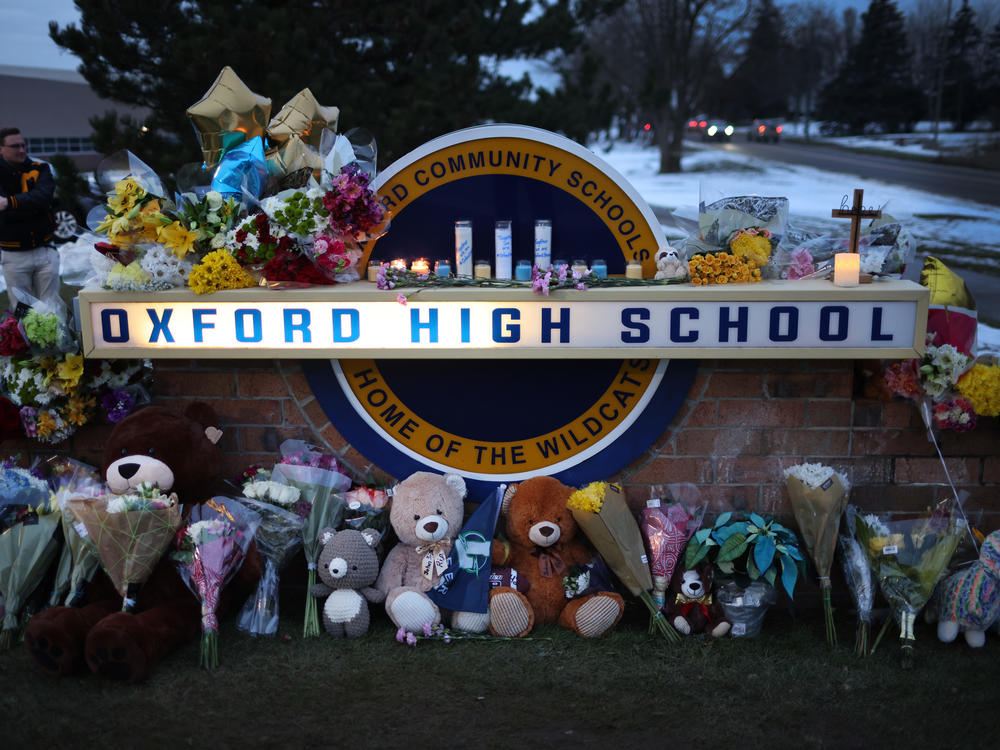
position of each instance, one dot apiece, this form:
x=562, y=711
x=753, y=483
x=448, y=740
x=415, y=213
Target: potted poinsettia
x=749, y=556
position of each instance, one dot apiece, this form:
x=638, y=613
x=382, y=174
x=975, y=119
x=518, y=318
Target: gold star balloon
x=291, y=156
x=303, y=116
x=228, y=114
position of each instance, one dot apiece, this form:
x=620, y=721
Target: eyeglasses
x=15, y=146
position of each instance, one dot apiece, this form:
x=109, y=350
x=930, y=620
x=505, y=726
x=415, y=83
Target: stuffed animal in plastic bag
x=348, y=566
x=691, y=608
x=969, y=601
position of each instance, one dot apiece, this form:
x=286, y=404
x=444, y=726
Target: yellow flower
x=981, y=385
x=590, y=498
x=70, y=370
x=78, y=410
x=177, y=239
x=46, y=423
x=131, y=275
x=218, y=270
x=752, y=247
x=127, y=194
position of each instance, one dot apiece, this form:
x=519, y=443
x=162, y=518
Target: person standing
x=29, y=259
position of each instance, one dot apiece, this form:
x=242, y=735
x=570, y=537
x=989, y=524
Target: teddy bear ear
x=457, y=483
x=371, y=536
x=505, y=501
x=326, y=535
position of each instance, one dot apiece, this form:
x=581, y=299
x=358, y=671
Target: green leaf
x=763, y=552
x=771, y=575
x=723, y=519
x=732, y=548
x=789, y=574
x=757, y=520
x=695, y=554
x=701, y=535
x=725, y=567
x=752, y=571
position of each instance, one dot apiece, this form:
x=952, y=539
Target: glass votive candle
x=559, y=262
x=442, y=268
x=633, y=270
x=579, y=265
x=846, y=269
x=482, y=269
x=421, y=266
x=373, y=268
x=522, y=271
x=398, y=263
x=599, y=268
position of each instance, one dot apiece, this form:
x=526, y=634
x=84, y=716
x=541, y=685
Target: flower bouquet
x=858, y=575
x=78, y=561
x=818, y=496
x=603, y=516
x=129, y=532
x=907, y=557
x=44, y=324
x=28, y=546
x=19, y=488
x=666, y=529
x=279, y=538
x=322, y=486
x=744, y=229
x=210, y=551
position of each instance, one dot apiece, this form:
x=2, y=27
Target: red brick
x=773, y=500
x=315, y=415
x=982, y=441
x=268, y=439
x=248, y=411
x=261, y=384
x=873, y=469
x=667, y=470
x=333, y=439
x=360, y=468
x=663, y=445
x=720, y=498
x=807, y=442
x=291, y=414
x=298, y=385
x=991, y=470
x=891, y=443
x=735, y=385
x=715, y=442
x=809, y=384
x=900, y=414
x=234, y=464
x=702, y=415
x=768, y=413
x=930, y=471
x=194, y=384
x=867, y=414
x=828, y=413
x=750, y=470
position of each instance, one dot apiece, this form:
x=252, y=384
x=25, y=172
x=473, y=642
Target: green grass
x=784, y=688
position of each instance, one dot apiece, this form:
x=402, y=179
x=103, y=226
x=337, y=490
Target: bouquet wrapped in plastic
x=907, y=557
x=78, y=561
x=44, y=324
x=818, y=496
x=129, y=532
x=28, y=547
x=210, y=551
x=666, y=526
x=604, y=517
x=322, y=488
x=858, y=575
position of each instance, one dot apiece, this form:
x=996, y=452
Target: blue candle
x=599, y=268
x=522, y=272
x=442, y=268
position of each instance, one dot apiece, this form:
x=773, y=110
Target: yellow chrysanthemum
x=981, y=385
x=751, y=247
x=179, y=240
x=70, y=370
x=125, y=276
x=218, y=270
x=589, y=499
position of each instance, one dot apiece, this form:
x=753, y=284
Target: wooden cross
x=855, y=213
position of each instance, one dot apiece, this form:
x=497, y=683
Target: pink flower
x=411, y=640
x=401, y=299
x=401, y=635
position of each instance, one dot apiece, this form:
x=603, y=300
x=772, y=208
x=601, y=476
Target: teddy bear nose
x=338, y=567
x=546, y=531
x=431, y=526
x=695, y=586
x=128, y=470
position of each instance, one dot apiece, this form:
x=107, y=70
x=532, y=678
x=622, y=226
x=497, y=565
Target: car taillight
x=693, y=124
x=760, y=128
x=702, y=124
x=777, y=129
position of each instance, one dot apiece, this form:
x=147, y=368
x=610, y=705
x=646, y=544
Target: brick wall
x=742, y=423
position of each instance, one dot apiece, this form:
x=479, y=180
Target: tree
x=659, y=54
x=874, y=85
x=991, y=77
x=406, y=71
x=960, y=101
x=762, y=82
x=817, y=48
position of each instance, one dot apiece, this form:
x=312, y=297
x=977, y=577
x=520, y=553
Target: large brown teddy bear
x=542, y=548
x=177, y=452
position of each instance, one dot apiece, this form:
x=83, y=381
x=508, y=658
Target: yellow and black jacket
x=28, y=221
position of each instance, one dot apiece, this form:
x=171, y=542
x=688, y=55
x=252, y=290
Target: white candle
x=846, y=269
x=543, y=243
x=504, y=250
x=463, y=248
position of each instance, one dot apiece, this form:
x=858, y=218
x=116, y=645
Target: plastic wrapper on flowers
x=907, y=557
x=44, y=324
x=78, y=561
x=885, y=247
x=28, y=547
x=279, y=538
x=210, y=551
x=748, y=227
x=818, y=495
x=130, y=534
x=858, y=576
x=666, y=528
x=20, y=488
x=605, y=519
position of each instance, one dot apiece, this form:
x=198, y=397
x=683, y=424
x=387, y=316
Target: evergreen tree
x=960, y=97
x=874, y=85
x=406, y=71
x=761, y=84
x=991, y=78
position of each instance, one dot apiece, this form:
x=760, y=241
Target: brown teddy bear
x=178, y=453
x=543, y=549
x=690, y=605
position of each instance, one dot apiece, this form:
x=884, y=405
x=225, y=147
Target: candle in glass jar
x=543, y=243
x=846, y=269
x=482, y=269
x=463, y=248
x=421, y=266
x=522, y=271
x=398, y=263
x=442, y=268
x=580, y=266
x=504, y=248
x=599, y=268
x=633, y=270
x=373, y=269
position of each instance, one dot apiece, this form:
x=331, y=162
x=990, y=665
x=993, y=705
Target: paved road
x=979, y=185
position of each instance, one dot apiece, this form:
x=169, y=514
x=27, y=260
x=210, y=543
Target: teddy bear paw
x=511, y=615
x=720, y=630
x=681, y=626
x=50, y=656
x=597, y=615
x=471, y=622
x=411, y=610
x=975, y=638
x=113, y=663
x=947, y=631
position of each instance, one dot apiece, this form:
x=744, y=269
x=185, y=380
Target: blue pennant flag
x=465, y=585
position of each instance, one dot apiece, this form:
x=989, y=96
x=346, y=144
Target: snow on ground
x=936, y=221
